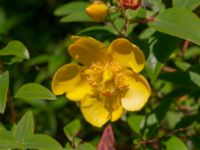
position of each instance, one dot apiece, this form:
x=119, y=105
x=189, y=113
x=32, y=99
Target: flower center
x=107, y=79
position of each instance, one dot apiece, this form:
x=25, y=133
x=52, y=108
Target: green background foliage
x=34, y=36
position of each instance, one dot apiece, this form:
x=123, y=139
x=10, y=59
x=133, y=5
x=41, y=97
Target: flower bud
x=129, y=4
x=97, y=11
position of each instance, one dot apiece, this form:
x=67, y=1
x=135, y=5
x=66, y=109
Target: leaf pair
x=22, y=137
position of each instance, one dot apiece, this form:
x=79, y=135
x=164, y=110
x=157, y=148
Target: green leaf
x=72, y=7
x=178, y=22
x=187, y=121
x=134, y=121
x=40, y=141
x=152, y=121
x=192, y=52
x=195, y=78
x=34, y=91
x=73, y=12
x=72, y=129
x=95, y=29
x=159, y=53
x=189, y=4
x=181, y=78
x=6, y=139
x=4, y=83
x=86, y=146
x=175, y=143
x=182, y=65
x=23, y=137
x=76, y=17
x=119, y=23
x=172, y=118
x=25, y=127
x=147, y=33
x=15, y=48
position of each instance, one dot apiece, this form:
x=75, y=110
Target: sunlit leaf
x=6, y=139
x=86, y=146
x=15, y=49
x=178, y=22
x=25, y=127
x=195, y=78
x=175, y=143
x=34, y=91
x=72, y=7
x=72, y=129
x=40, y=141
x=189, y=4
x=23, y=137
x=134, y=121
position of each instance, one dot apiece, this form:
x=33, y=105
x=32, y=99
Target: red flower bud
x=131, y=4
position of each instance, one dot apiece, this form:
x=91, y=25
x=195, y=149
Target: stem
x=156, y=140
x=1, y=66
x=145, y=20
x=9, y=101
x=185, y=46
x=126, y=25
x=115, y=27
x=10, y=104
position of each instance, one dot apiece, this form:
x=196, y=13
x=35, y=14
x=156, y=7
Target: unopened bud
x=129, y=4
x=97, y=11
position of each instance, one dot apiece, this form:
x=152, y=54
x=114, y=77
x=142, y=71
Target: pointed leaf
x=134, y=121
x=189, y=4
x=175, y=143
x=195, y=77
x=15, y=48
x=178, y=22
x=72, y=129
x=34, y=91
x=76, y=17
x=72, y=7
x=159, y=53
x=25, y=127
x=6, y=139
x=40, y=141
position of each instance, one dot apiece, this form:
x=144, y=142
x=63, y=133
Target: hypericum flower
x=107, y=83
x=132, y=4
x=97, y=10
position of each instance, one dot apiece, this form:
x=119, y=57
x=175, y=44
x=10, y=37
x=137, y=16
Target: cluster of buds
x=129, y=4
x=98, y=10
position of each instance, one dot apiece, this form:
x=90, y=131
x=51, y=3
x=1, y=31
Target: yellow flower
x=97, y=11
x=107, y=83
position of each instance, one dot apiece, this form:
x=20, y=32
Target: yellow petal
x=138, y=93
x=127, y=54
x=87, y=50
x=94, y=111
x=67, y=80
x=116, y=114
x=97, y=11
